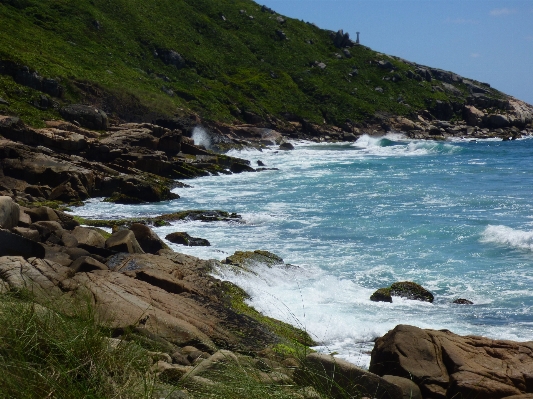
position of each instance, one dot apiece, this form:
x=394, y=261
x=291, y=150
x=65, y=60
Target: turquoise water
x=455, y=217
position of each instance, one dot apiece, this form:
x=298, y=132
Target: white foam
x=201, y=137
x=508, y=236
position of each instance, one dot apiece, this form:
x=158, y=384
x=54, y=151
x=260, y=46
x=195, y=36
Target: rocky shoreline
x=175, y=302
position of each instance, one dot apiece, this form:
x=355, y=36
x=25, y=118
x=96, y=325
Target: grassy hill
x=226, y=60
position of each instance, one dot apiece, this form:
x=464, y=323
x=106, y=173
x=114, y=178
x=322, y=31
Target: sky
x=486, y=40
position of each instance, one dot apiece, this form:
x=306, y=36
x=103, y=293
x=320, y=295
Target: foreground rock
x=446, y=365
x=345, y=379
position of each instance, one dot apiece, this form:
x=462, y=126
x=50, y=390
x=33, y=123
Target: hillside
x=228, y=61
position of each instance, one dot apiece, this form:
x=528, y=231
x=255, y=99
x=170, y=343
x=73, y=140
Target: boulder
x=87, y=264
x=446, y=365
x=42, y=213
x=344, y=379
x=410, y=290
x=147, y=239
x=88, y=236
x=183, y=238
x=30, y=234
x=9, y=213
x=86, y=116
x=124, y=241
x=15, y=245
x=409, y=388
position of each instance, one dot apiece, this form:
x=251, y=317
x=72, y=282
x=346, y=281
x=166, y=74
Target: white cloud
x=497, y=12
x=475, y=55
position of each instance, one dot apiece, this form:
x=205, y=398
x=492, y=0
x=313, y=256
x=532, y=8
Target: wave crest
x=504, y=235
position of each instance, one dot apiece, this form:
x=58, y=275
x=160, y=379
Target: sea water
x=455, y=217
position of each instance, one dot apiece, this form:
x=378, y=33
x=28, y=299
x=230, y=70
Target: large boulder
x=446, y=365
x=16, y=245
x=472, y=115
x=124, y=241
x=89, y=236
x=86, y=116
x=9, y=213
x=344, y=379
x=147, y=239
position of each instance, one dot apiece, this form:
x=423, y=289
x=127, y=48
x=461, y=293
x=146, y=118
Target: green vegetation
x=234, y=65
x=295, y=340
x=45, y=353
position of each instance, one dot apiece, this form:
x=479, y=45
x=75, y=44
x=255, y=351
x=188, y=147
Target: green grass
x=45, y=353
x=233, y=66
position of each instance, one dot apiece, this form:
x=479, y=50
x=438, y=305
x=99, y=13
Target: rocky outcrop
x=446, y=365
x=86, y=116
x=134, y=163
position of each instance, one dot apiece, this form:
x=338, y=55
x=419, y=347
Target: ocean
x=455, y=217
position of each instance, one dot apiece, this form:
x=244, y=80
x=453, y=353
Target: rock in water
x=183, y=238
x=410, y=290
x=381, y=295
x=9, y=213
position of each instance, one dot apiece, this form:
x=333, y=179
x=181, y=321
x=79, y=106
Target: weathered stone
x=9, y=213
x=409, y=388
x=15, y=245
x=87, y=264
x=42, y=213
x=88, y=236
x=124, y=241
x=446, y=365
x=345, y=379
x=30, y=234
x=86, y=116
x=147, y=239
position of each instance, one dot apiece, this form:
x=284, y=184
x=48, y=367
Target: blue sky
x=490, y=41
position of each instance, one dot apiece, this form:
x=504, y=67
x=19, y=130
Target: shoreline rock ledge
x=446, y=365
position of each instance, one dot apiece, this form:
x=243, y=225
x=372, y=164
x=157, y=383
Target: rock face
x=446, y=365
